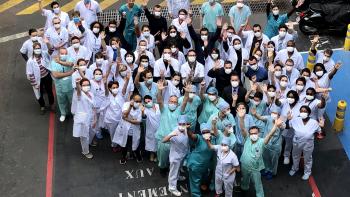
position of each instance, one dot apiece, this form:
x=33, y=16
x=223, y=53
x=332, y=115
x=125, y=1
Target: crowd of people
x=217, y=103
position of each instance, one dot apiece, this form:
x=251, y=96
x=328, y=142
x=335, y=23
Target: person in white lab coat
x=146, y=35
x=81, y=72
x=102, y=64
x=27, y=47
x=303, y=140
x=166, y=64
x=77, y=26
x=192, y=70
x=55, y=12
x=84, y=115
x=226, y=167
x=177, y=54
x=290, y=71
x=255, y=39
x=142, y=50
x=57, y=35
x=179, y=147
x=39, y=76
x=173, y=87
x=283, y=37
x=95, y=38
x=290, y=53
x=128, y=132
x=78, y=51
x=88, y=10
x=181, y=25
x=151, y=115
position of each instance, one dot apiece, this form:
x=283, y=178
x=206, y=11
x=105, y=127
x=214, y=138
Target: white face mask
x=325, y=58
x=309, y=97
x=175, y=82
x=227, y=112
x=173, y=35
x=144, y=64
x=234, y=84
x=37, y=51
x=98, y=77
x=290, y=100
x=129, y=60
x=115, y=91
x=278, y=73
x=271, y=49
x=204, y=37
x=166, y=56
x=319, y=73
x=85, y=88
x=76, y=45
x=257, y=57
x=206, y=136
x=275, y=12
x=237, y=46
x=230, y=130
x=57, y=26
x=112, y=29
x=99, y=61
x=240, y=5
x=191, y=59
x=136, y=105
x=82, y=68
x=303, y=115
x=123, y=73
x=182, y=16
x=56, y=10
x=290, y=49
x=211, y=97
x=214, y=56
x=228, y=70
x=224, y=148
x=289, y=68
x=282, y=34
x=157, y=13
x=191, y=95
x=254, y=67
x=143, y=48
x=229, y=35
x=257, y=34
x=96, y=30
x=307, y=78
x=274, y=116
x=299, y=87
x=181, y=128
x=146, y=34
x=34, y=38
x=271, y=94
x=283, y=84
x=173, y=50
x=254, y=137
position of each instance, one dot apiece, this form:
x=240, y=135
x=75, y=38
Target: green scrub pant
x=64, y=99
x=248, y=174
x=196, y=173
x=163, y=154
x=271, y=157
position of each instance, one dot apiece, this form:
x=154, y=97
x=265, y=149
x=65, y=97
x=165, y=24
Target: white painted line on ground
x=13, y=37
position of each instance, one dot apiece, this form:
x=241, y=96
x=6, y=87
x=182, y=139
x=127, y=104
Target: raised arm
x=185, y=100
x=126, y=83
x=202, y=91
x=160, y=101
x=277, y=124
x=241, y=114
x=140, y=69
x=334, y=70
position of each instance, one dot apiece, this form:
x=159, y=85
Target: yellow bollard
x=347, y=40
x=311, y=60
x=338, y=123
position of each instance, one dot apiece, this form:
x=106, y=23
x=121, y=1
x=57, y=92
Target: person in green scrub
x=251, y=160
x=199, y=159
x=193, y=103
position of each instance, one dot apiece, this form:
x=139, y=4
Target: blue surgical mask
x=149, y=81
x=87, y=1
x=76, y=19
x=63, y=57
x=172, y=107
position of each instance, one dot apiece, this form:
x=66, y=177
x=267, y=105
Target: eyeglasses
x=56, y=23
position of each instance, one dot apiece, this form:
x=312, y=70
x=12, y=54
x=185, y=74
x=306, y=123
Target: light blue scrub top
x=248, y=122
x=252, y=155
x=152, y=92
x=275, y=142
x=168, y=121
x=240, y=16
x=209, y=108
x=210, y=14
x=63, y=84
x=191, y=109
x=201, y=155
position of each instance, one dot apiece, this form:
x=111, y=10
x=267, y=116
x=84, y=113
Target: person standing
x=61, y=70
x=210, y=12
x=57, y=36
x=179, y=148
x=174, y=6
x=130, y=11
x=252, y=160
x=27, y=47
x=39, y=76
x=88, y=10
x=55, y=12
x=239, y=16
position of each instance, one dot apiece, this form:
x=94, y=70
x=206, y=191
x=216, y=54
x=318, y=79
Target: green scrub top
x=191, y=109
x=201, y=155
x=209, y=108
x=63, y=84
x=252, y=155
x=275, y=142
x=168, y=121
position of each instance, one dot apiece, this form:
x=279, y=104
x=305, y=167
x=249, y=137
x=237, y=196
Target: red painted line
x=314, y=187
x=50, y=157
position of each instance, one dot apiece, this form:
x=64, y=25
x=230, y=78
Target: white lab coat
x=110, y=53
x=125, y=128
x=159, y=65
x=83, y=114
x=170, y=90
x=89, y=14
x=82, y=53
x=182, y=28
x=32, y=68
x=185, y=70
x=27, y=47
x=294, y=75
x=180, y=57
x=249, y=35
x=288, y=37
x=88, y=74
x=49, y=14
x=103, y=67
x=150, y=56
x=232, y=56
x=328, y=65
x=152, y=124
x=56, y=39
x=73, y=30
x=150, y=42
x=92, y=43
x=282, y=56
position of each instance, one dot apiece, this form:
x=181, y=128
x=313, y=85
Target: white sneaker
x=292, y=172
x=286, y=161
x=89, y=155
x=305, y=177
x=175, y=192
x=62, y=118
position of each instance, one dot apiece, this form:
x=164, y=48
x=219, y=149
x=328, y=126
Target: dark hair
x=295, y=95
x=147, y=97
x=228, y=62
x=251, y=58
x=236, y=39
x=36, y=44
x=311, y=89
x=307, y=108
x=54, y=3
x=80, y=60
x=283, y=26
x=271, y=86
x=203, y=29
x=130, y=53
x=74, y=38
x=82, y=81
x=259, y=95
x=274, y=6
x=277, y=64
x=257, y=25
x=329, y=51
x=99, y=55
x=157, y=6
x=235, y=74
x=321, y=66
x=144, y=26
x=254, y=127
x=75, y=13
x=191, y=50
x=32, y=31
x=113, y=21
x=290, y=60
x=111, y=83
x=241, y=103
x=305, y=70
x=271, y=42
x=94, y=23
x=114, y=39
x=302, y=79
x=97, y=69
x=171, y=27
x=216, y=50
x=182, y=10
